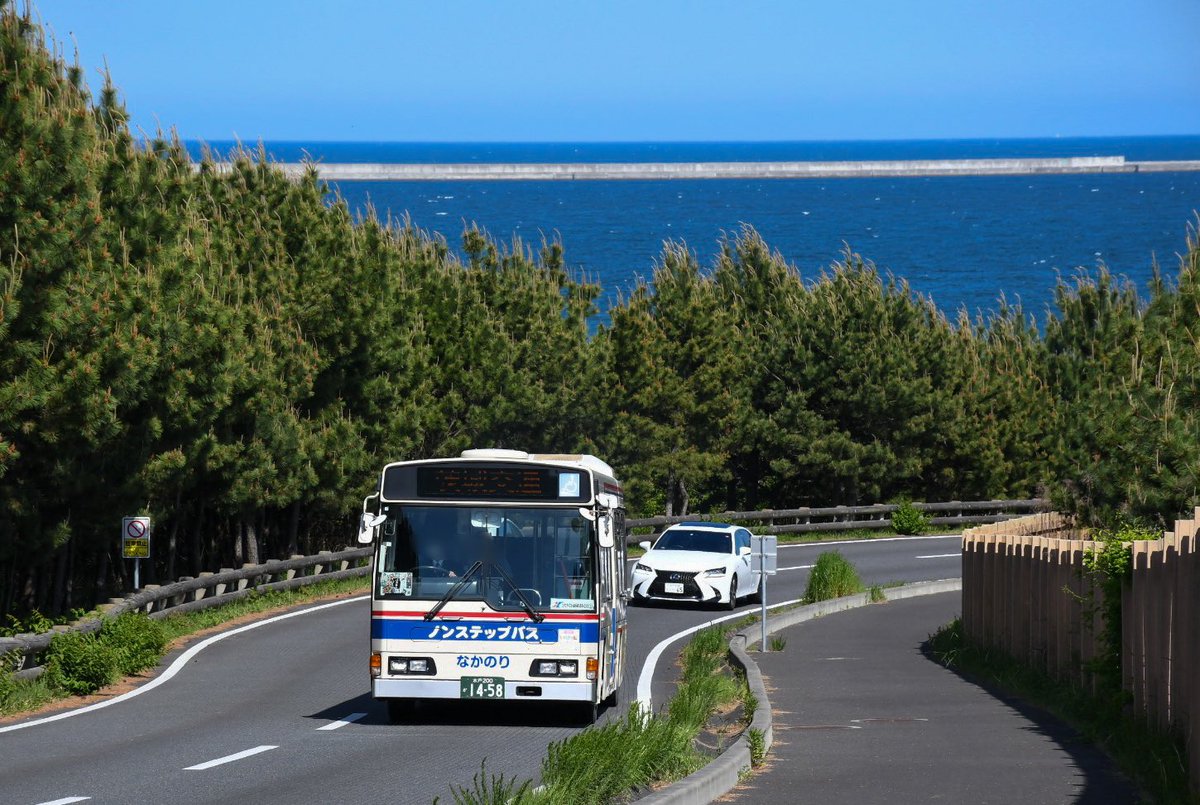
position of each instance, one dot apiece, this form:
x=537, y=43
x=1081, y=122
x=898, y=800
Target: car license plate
x=481, y=687
x=675, y=588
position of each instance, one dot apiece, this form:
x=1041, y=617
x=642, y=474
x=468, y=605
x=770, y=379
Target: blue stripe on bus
x=490, y=631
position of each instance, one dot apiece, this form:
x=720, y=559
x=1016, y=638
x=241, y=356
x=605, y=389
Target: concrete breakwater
x=519, y=171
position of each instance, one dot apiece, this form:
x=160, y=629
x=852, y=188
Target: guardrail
x=190, y=594
x=845, y=518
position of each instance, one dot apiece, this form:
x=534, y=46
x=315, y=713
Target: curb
x=721, y=775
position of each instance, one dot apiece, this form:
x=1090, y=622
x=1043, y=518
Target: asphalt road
x=281, y=712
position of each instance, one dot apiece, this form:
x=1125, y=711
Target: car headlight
x=715, y=571
x=643, y=568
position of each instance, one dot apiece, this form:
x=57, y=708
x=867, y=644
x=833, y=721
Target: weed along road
x=280, y=712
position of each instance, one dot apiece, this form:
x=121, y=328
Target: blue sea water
x=964, y=241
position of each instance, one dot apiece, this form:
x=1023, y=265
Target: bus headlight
x=411, y=665
x=554, y=668
x=376, y=664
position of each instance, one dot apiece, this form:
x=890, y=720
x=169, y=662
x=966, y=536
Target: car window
x=693, y=540
x=743, y=539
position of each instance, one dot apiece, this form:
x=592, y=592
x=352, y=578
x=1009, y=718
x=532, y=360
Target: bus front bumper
x=412, y=688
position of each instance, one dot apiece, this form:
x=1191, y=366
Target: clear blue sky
x=515, y=70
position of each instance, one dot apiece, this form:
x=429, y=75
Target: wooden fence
x=1024, y=592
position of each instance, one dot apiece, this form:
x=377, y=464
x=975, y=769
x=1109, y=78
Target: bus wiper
x=453, y=591
x=536, y=616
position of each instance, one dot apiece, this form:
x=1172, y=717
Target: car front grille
x=690, y=588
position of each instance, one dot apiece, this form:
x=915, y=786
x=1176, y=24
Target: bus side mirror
x=605, y=529
x=367, y=525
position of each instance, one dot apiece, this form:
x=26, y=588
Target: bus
x=497, y=575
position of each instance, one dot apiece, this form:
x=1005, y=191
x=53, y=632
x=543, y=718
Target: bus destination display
x=485, y=482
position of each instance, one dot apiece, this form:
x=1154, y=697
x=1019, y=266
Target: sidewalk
x=863, y=717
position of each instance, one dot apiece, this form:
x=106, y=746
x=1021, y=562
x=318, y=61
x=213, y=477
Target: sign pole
x=135, y=544
x=762, y=563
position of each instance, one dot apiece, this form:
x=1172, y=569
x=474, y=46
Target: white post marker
x=764, y=553
x=135, y=544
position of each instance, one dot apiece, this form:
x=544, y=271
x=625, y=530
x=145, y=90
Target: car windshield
x=547, y=553
x=689, y=540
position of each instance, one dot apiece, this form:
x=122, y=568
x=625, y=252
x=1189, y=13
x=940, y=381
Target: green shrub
x=137, y=641
x=832, y=577
x=81, y=663
x=908, y=519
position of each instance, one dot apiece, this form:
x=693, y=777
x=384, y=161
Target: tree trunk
x=171, y=539
x=250, y=530
x=239, y=543
x=102, y=579
x=293, y=529
x=60, y=578
x=198, y=542
x=670, y=495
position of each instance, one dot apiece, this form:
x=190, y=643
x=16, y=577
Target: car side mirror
x=744, y=550
x=644, y=545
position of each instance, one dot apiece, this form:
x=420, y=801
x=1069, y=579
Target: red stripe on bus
x=557, y=616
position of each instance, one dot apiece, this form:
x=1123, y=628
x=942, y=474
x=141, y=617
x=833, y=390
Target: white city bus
x=497, y=575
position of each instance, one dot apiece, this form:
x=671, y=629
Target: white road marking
x=64, y=801
x=337, y=725
x=940, y=556
x=258, y=750
x=646, y=678
x=796, y=567
x=177, y=666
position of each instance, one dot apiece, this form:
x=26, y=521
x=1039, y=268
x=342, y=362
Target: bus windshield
x=547, y=553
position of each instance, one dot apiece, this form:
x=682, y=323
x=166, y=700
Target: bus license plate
x=481, y=687
x=675, y=588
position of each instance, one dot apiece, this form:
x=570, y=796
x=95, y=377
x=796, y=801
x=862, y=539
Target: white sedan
x=704, y=562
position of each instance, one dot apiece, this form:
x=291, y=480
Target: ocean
x=964, y=241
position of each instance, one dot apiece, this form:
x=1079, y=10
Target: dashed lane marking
x=337, y=725
x=64, y=801
x=940, y=556
x=221, y=761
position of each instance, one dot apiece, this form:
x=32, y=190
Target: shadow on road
x=1100, y=783
x=452, y=712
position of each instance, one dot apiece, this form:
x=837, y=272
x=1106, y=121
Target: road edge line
x=177, y=665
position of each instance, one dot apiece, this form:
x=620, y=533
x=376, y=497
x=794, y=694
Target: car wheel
x=733, y=592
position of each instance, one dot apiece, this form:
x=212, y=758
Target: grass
x=610, y=762
x=832, y=576
x=19, y=696
x=1152, y=759
x=778, y=642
